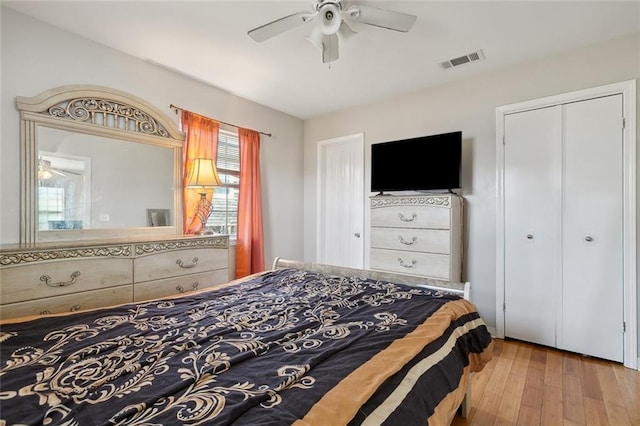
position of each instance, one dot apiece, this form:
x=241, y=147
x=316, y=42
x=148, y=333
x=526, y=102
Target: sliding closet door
x=592, y=293
x=532, y=160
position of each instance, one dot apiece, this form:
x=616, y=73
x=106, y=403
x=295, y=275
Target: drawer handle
x=405, y=219
x=182, y=290
x=181, y=264
x=47, y=280
x=408, y=243
x=74, y=308
x=405, y=265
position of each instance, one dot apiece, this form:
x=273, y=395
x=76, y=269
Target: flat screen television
x=425, y=163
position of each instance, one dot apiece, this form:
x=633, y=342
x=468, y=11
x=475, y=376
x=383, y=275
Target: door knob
x=588, y=238
x=357, y=235
x=529, y=237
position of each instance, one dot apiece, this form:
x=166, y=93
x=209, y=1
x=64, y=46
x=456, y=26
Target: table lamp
x=203, y=175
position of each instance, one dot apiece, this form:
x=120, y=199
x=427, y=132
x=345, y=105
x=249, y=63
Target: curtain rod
x=176, y=108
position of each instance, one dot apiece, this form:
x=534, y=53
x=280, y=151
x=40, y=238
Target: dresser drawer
x=423, y=240
x=176, y=263
x=69, y=303
x=183, y=284
x=411, y=217
x=413, y=263
x=28, y=281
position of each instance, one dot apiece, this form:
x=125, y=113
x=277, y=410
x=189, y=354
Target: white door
x=593, y=189
x=340, y=239
x=532, y=160
x=592, y=233
x=563, y=218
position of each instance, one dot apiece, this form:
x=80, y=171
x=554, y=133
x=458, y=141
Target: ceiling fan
x=334, y=20
x=46, y=170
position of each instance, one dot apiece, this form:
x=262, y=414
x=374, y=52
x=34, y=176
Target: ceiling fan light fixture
x=315, y=37
x=352, y=13
x=44, y=174
x=43, y=169
x=345, y=31
x=329, y=48
x=330, y=19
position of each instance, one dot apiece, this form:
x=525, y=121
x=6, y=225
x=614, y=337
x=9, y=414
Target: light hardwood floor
x=526, y=384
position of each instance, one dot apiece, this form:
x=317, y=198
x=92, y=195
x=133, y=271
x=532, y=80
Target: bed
x=301, y=344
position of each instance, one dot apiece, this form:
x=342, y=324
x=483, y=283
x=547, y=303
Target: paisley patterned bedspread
x=285, y=347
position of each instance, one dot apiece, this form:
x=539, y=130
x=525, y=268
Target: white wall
x=468, y=105
x=38, y=57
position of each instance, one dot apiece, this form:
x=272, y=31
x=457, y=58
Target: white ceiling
x=208, y=41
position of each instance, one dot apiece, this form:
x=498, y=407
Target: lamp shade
x=43, y=169
x=203, y=174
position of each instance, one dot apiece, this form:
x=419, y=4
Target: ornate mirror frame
x=98, y=111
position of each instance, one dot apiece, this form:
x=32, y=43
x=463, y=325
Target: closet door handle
x=529, y=237
x=588, y=238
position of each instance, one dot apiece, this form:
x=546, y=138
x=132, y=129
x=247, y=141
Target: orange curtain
x=250, y=248
x=201, y=142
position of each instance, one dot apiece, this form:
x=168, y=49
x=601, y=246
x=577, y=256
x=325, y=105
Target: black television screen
x=419, y=164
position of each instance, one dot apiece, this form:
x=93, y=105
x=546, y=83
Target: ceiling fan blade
x=382, y=18
x=73, y=172
x=329, y=48
x=45, y=170
x=281, y=25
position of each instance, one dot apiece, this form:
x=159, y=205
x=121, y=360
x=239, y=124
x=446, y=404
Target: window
x=50, y=206
x=224, y=214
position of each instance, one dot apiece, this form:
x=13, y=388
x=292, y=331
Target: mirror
x=86, y=177
x=99, y=167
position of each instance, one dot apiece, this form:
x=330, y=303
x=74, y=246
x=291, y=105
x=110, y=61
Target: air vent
x=461, y=60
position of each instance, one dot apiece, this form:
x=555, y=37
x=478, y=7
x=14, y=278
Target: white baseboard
x=492, y=331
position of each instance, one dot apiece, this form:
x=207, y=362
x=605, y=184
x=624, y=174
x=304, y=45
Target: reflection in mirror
x=64, y=191
x=84, y=181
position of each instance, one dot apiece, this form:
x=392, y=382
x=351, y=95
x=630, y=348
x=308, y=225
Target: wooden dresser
x=42, y=278
x=417, y=235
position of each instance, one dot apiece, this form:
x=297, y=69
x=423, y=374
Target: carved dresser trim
x=154, y=247
x=83, y=252
x=433, y=200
